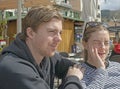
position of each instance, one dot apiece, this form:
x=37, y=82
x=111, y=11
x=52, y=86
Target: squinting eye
x=60, y=32
x=96, y=42
x=52, y=31
x=106, y=43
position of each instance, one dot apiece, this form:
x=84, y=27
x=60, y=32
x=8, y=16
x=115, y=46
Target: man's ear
x=84, y=44
x=30, y=32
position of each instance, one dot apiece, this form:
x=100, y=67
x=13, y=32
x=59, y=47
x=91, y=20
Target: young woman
x=99, y=73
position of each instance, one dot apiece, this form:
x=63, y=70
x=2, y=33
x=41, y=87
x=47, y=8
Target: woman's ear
x=84, y=44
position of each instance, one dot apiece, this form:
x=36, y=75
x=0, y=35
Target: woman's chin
x=103, y=58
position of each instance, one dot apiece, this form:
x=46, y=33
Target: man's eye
x=61, y=32
x=53, y=32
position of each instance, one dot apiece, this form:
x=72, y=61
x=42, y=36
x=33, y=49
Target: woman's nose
x=102, y=45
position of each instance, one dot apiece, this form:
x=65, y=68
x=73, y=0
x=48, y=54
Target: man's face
x=47, y=37
x=100, y=40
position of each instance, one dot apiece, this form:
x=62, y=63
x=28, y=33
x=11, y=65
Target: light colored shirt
x=101, y=79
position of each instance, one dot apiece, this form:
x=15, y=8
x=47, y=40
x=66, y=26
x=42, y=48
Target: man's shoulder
x=11, y=63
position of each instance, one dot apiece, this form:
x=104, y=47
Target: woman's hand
x=94, y=58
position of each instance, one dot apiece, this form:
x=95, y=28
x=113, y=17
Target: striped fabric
x=101, y=79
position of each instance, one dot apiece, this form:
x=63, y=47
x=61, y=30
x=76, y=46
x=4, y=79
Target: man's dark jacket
x=18, y=69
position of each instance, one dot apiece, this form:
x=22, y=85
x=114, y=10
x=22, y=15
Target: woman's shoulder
x=114, y=64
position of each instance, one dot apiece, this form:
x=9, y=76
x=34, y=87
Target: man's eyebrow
x=98, y=40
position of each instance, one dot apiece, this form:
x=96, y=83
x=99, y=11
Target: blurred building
x=91, y=10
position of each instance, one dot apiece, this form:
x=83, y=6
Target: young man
x=30, y=61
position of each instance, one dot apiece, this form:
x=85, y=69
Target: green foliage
x=3, y=24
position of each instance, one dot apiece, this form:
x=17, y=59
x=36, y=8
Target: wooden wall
x=67, y=36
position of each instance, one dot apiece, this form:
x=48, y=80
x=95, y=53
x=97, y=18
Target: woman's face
x=100, y=41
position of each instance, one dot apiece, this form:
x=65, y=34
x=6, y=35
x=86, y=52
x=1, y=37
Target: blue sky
x=110, y=4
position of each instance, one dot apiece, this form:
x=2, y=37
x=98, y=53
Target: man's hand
x=76, y=70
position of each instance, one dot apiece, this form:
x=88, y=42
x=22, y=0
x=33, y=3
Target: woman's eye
x=96, y=43
x=106, y=43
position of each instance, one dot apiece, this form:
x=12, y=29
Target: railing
x=71, y=14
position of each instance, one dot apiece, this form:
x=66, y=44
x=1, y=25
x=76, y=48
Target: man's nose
x=58, y=37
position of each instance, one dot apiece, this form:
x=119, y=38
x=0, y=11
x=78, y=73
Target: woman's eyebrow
x=96, y=40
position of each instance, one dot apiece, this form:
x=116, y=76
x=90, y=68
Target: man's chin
x=51, y=54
